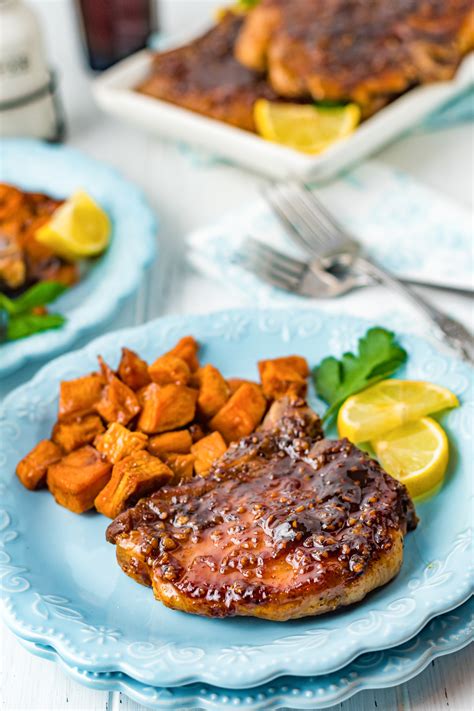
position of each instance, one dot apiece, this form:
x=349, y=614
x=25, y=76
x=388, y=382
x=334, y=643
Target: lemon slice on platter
x=416, y=454
x=389, y=404
x=304, y=127
x=79, y=228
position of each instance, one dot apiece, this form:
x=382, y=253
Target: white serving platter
x=114, y=92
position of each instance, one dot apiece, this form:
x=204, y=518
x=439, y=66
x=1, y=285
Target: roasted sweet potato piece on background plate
x=118, y=402
x=133, y=370
x=206, y=451
x=213, y=391
x=168, y=369
x=182, y=466
x=241, y=414
x=75, y=433
x=187, y=348
x=281, y=376
x=119, y=442
x=32, y=469
x=178, y=442
x=78, y=477
x=133, y=477
x=166, y=408
x=79, y=396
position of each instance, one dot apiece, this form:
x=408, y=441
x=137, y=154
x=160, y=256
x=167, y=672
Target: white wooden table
x=168, y=177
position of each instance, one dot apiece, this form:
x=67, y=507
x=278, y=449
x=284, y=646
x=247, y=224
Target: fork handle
x=448, y=329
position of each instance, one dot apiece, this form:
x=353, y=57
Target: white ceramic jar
x=27, y=94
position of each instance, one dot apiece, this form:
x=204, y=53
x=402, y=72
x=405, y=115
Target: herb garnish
x=378, y=357
x=18, y=316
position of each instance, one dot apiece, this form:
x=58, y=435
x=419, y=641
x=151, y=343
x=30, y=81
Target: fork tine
x=264, y=265
x=290, y=264
x=300, y=197
x=313, y=200
x=288, y=216
x=319, y=212
x=272, y=196
x=319, y=234
x=270, y=273
x=295, y=212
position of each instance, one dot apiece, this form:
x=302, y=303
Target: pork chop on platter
x=287, y=524
x=367, y=51
x=205, y=77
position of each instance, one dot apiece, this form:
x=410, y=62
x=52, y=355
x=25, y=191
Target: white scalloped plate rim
x=401, y=665
x=104, y=301
x=441, y=585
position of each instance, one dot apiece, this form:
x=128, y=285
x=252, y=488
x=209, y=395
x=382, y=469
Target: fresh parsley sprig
x=378, y=357
x=18, y=318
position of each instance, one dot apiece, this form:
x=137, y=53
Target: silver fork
x=293, y=275
x=307, y=277
x=317, y=231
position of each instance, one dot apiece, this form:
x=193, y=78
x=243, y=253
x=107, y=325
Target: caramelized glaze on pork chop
x=287, y=524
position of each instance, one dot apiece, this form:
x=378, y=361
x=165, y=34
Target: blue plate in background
x=59, y=171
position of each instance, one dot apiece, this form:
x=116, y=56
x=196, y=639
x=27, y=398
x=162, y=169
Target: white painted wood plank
x=30, y=683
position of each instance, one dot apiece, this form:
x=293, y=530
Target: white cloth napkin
x=409, y=228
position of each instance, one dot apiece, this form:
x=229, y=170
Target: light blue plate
x=59, y=170
x=63, y=588
x=378, y=670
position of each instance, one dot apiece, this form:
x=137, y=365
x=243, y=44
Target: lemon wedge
x=79, y=228
x=389, y=404
x=306, y=128
x=416, y=454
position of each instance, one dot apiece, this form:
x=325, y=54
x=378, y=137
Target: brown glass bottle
x=113, y=29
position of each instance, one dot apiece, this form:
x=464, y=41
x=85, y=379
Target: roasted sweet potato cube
x=169, y=369
x=235, y=383
x=118, y=402
x=206, y=451
x=79, y=396
x=166, y=408
x=296, y=362
x=147, y=398
x=281, y=376
x=133, y=477
x=32, y=469
x=76, y=432
x=182, y=466
x=213, y=391
x=105, y=369
x=119, y=442
x=241, y=414
x=78, y=477
x=178, y=442
x=187, y=349
x=133, y=370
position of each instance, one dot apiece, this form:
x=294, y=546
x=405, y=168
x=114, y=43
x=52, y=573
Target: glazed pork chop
x=367, y=51
x=205, y=77
x=287, y=524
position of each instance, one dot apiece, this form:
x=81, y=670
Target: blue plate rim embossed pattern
x=435, y=578
x=444, y=635
x=117, y=273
